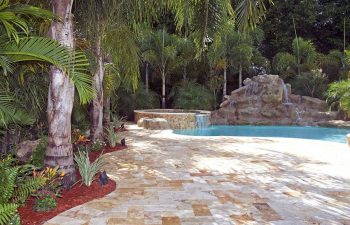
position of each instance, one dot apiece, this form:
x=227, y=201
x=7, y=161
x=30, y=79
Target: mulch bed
x=75, y=196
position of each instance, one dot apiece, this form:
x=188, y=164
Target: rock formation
x=267, y=100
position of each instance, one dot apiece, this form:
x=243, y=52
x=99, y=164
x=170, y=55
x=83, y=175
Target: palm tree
x=187, y=53
x=108, y=31
x=161, y=53
x=68, y=69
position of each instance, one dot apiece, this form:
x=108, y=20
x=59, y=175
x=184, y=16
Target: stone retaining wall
x=177, y=118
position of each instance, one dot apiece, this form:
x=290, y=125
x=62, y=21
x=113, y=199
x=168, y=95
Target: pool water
x=316, y=133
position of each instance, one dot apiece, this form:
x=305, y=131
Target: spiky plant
x=88, y=169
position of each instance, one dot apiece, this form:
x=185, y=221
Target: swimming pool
x=316, y=133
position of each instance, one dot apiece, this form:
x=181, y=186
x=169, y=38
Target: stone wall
x=177, y=118
x=266, y=100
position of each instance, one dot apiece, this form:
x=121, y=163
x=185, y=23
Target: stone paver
x=168, y=179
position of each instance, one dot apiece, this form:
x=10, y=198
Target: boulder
x=266, y=99
x=25, y=149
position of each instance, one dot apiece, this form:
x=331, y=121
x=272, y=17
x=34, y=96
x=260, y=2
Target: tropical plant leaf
x=74, y=63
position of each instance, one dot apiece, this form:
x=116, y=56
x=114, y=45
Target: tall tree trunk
x=107, y=112
x=224, y=89
x=163, y=90
x=59, y=151
x=240, y=75
x=147, y=81
x=96, y=109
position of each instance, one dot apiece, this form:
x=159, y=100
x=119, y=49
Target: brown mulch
x=75, y=196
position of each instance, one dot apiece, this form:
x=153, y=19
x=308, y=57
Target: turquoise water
x=316, y=133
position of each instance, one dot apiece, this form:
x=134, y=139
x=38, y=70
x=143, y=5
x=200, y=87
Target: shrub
x=312, y=84
x=191, y=95
x=39, y=153
x=87, y=169
x=127, y=101
x=15, y=187
x=338, y=95
x=284, y=64
x=45, y=201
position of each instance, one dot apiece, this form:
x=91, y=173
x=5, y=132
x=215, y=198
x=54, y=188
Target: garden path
x=168, y=179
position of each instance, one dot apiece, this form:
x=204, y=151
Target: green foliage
x=111, y=136
x=191, y=95
x=45, y=201
x=96, y=146
x=12, y=113
x=7, y=212
x=338, y=95
x=312, y=84
x=15, y=187
x=322, y=22
x=146, y=100
x=87, y=169
x=39, y=153
x=127, y=102
x=284, y=64
x=305, y=50
x=215, y=84
x=53, y=180
x=250, y=12
x=47, y=50
x=331, y=64
x=12, y=22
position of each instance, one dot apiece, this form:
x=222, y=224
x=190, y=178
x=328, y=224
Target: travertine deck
x=169, y=179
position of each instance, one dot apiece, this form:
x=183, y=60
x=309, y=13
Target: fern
x=8, y=182
x=7, y=212
x=28, y=187
x=15, y=187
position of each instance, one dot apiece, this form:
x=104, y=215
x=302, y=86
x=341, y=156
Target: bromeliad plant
x=53, y=180
x=87, y=169
x=16, y=184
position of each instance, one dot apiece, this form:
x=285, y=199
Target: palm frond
x=10, y=22
x=10, y=112
x=250, y=12
x=46, y=50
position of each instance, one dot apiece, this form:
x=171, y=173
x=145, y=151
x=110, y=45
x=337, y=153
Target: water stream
x=202, y=120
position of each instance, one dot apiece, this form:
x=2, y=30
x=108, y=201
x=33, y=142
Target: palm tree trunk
x=147, y=81
x=107, y=112
x=224, y=89
x=240, y=76
x=59, y=151
x=163, y=90
x=96, y=110
x=185, y=73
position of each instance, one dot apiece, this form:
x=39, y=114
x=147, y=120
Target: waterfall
x=299, y=119
x=285, y=91
x=252, y=88
x=202, y=120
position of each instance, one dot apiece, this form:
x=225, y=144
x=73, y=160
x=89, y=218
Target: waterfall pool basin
x=315, y=133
